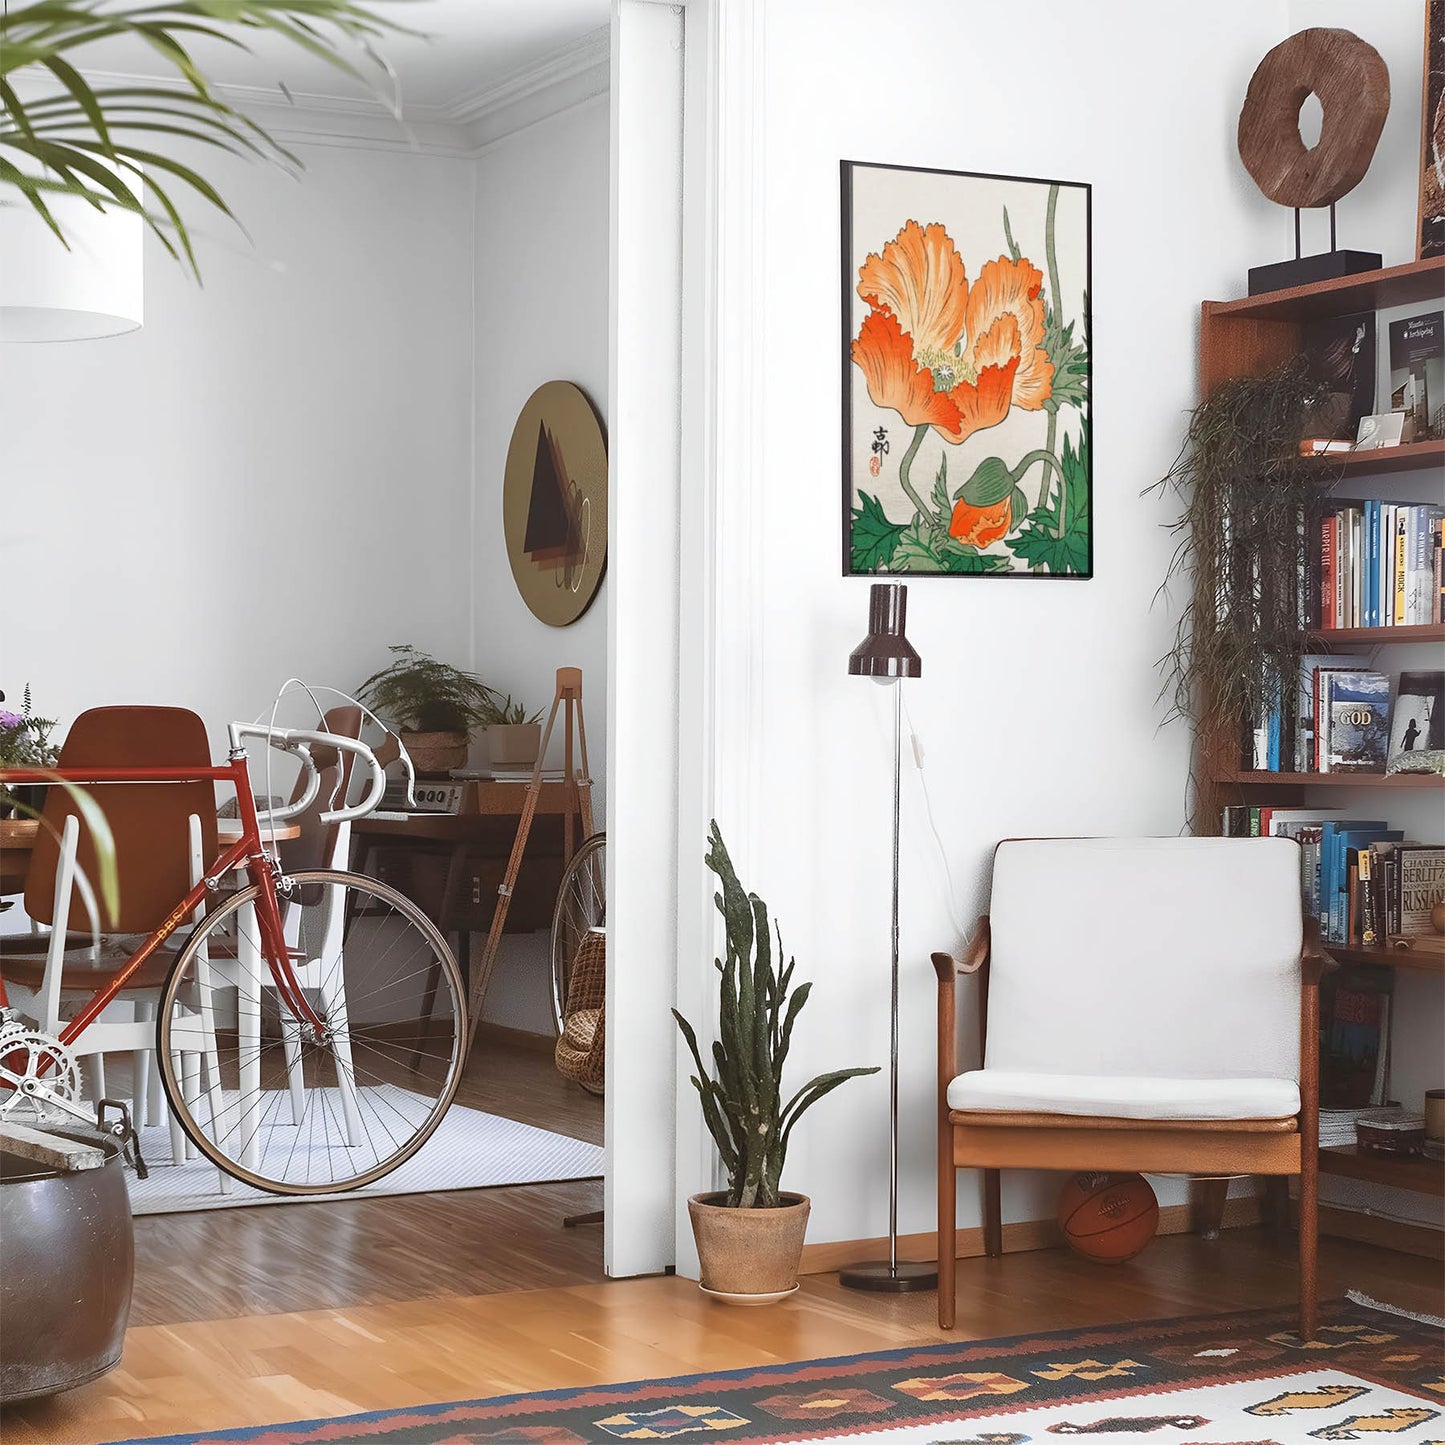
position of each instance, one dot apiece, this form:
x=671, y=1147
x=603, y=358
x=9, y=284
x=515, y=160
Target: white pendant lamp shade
x=48, y=293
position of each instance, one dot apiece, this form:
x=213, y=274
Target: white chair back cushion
x=1164, y=957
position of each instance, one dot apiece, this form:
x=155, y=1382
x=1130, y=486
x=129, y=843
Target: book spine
x=1327, y=573
x=1352, y=600
x=1386, y=593
x=1254, y=822
x=1372, y=563
x=1437, y=602
x=1341, y=562
x=1398, y=605
x=1369, y=933
x=1322, y=722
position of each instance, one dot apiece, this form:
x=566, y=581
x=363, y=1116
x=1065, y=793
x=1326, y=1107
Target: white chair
x=1144, y=1004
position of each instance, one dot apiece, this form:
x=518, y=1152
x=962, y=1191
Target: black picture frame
x=969, y=542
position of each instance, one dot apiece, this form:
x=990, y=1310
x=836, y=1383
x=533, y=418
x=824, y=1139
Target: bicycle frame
x=248, y=850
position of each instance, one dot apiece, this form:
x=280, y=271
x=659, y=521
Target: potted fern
x=750, y=1235
x=434, y=704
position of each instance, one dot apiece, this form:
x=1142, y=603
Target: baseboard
x=1022, y=1235
x=1387, y=1233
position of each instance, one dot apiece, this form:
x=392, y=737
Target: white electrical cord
x=916, y=748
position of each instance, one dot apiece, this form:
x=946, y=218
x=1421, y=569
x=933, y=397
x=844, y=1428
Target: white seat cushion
x=1119, y=1097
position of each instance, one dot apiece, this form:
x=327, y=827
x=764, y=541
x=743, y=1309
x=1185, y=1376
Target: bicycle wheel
x=274, y=1102
x=581, y=904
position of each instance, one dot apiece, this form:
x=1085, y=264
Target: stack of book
x=1379, y=565
x=1347, y=718
x=1337, y=1126
x=1362, y=879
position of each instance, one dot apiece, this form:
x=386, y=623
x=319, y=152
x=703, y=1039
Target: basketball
x=1108, y=1217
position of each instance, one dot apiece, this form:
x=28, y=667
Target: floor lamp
x=886, y=656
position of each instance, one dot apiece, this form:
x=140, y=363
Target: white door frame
x=687, y=238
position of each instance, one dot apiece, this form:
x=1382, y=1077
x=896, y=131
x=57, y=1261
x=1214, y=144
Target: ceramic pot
x=69, y=1263
x=749, y=1256
x=513, y=745
x=434, y=755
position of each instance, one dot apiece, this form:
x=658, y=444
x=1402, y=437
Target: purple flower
x=11, y=719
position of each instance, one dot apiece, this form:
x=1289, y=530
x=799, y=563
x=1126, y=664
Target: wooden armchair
x=1144, y=1004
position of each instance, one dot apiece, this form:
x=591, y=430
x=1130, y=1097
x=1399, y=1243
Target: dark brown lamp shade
x=886, y=652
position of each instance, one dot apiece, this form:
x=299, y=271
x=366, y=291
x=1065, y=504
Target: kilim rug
x=1237, y=1379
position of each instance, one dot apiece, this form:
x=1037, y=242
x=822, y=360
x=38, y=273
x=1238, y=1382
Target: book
x=1311, y=664
x=1420, y=590
x=1417, y=369
x=1340, y=354
x=1420, y=885
x=1355, y=1038
x=1417, y=721
x=1355, y=716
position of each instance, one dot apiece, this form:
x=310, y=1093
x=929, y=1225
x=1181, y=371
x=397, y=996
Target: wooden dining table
x=18, y=835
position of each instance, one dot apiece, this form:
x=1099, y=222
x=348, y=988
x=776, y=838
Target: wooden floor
x=266, y=1369
x=225, y=1263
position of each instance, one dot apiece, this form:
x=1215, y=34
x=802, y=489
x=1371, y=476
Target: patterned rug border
x=962, y=1352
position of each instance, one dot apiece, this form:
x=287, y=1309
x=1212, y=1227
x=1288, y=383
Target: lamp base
x=880, y=1277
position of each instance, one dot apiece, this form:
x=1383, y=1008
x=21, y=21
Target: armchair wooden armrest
x=974, y=957
x=944, y=965
x=1313, y=960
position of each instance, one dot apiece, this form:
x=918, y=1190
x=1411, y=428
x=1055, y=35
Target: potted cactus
x=750, y=1235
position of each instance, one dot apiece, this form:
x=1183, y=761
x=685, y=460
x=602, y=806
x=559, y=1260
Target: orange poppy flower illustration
x=943, y=353
x=979, y=526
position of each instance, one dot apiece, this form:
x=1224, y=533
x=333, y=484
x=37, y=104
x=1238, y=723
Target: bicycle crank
x=37, y=1073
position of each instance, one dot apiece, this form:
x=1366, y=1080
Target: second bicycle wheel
x=581, y=905
x=279, y=1104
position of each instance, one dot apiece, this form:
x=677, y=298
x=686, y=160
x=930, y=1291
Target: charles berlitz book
x=1357, y=715
x=1421, y=882
x=1417, y=369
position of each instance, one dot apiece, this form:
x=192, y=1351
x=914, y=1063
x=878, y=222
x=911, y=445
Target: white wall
x=302, y=420
x=541, y=315
x=1037, y=708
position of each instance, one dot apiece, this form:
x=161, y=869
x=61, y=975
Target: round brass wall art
x=1352, y=83
x=554, y=503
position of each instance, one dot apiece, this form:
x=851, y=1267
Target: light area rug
x=1237, y=1379
x=470, y=1150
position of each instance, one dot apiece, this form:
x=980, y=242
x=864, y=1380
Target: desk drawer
x=457, y=888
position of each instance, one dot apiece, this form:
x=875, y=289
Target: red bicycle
x=311, y=1029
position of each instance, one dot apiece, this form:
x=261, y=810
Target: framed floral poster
x=966, y=374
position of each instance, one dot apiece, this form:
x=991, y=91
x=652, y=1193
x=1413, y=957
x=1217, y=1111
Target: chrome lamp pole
x=887, y=657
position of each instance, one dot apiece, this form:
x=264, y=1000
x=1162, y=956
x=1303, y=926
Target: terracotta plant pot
x=749, y=1256
x=434, y=755
x=513, y=745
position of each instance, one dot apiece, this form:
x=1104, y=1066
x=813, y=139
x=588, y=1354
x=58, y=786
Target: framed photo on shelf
x=966, y=374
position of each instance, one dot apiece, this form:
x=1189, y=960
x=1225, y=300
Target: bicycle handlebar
x=300, y=741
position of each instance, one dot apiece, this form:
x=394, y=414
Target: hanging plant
x=1242, y=546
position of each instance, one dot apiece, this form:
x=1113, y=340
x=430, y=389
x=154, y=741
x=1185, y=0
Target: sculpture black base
x=881, y=1278
x=1306, y=270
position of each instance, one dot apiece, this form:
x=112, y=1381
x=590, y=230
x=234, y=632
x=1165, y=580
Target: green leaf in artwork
x=873, y=537
x=1049, y=541
x=1070, y=358
x=916, y=551
x=940, y=488
x=1013, y=249
x=967, y=561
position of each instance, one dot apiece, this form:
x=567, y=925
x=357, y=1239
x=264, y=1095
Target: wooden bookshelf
x=1379, y=636
x=1249, y=779
x=1415, y=281
x=1382, y=461
x=1408, y=1171
x=1423, y=961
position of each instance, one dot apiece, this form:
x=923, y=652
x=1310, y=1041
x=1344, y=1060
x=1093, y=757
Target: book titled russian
x=1421, y=884
x=1357, y=714
x=1417, y=369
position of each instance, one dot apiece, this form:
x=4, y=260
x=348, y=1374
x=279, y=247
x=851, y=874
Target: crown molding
x=566, y=78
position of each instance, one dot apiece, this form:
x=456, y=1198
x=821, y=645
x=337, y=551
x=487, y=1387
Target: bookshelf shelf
x=1377, y=636
x=1367, y=291
x=1408, y=457
x=1330, y=780
x=1414, y=1172
x=1421, y=962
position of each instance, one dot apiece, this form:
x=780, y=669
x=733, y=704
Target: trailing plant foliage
x=97, y=142
x=418, y=692
x=1242, y=540
x=742, y=1101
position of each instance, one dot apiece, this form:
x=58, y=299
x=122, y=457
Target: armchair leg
x=1308, y=1245
x=1207, y=1197
x=947, y=1223
x=992, y=1214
